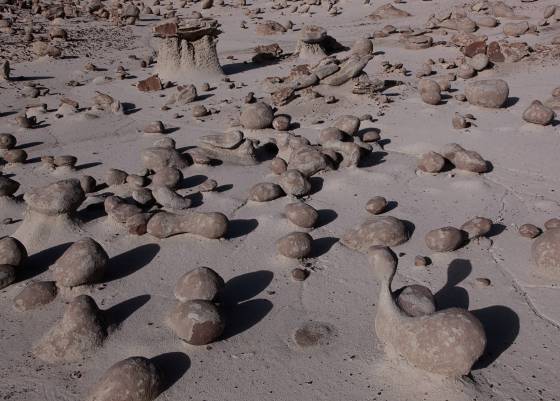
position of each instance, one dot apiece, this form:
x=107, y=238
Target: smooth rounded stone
x=64, y=196
x=477, y=227
x=210, y=225
x=7, y=141
x=466, y=71
x=307, y=160
x=15, y=156
x=77, y=335
x=88, y=184
x=7, y=275
x=143, y=196
x=515, y=28
x=301, y=214
x=278, y=165
x=490, y=93
x=197, y=322
x=115, y=177
x=382, y=230
x=479, y=61
x=552, y=223
x=136, y=181
x=137, y=224
x=294, y=183
x=170, y=199
x=312, y=34
x=157, y=158
x=299, y=274
x=12, y=252
x=132, y=379
x=199, y=110
x=431, y=162
x=487, y=21
x=65, y=161
x=165, y=142
x=430, y=91
x=119, y=210
x=459, y=122
x=445, y=239
x=265, y=192
x=529, y=231
x=421, y=261
x=362, y=47
x=155, y=127
x=416, y=300
x=85, y=262
x=8, y=186
x=168, y=177
x=281, y=122
x=538, y=113
x=200, y=283
x=295, y=245
x=312, y=334
x=376, y=205
x=348, y=124
x=257, y=115
x=35, y=295
x=227, y=140
x=546, y=252
x=469, y=160
x=371, y=135
x=331, y=134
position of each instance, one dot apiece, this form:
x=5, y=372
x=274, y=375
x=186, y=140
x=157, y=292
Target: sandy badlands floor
x=257, y=357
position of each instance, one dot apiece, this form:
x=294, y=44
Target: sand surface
x=257, y=358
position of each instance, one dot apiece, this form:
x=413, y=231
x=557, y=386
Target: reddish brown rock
x=494, y=53
x=475, y=48
x=150, y=84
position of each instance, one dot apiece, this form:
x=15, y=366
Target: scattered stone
x=490, y=93
x=529, y=231
x=431, y=162
x=477, y=227
x=265, y=192
x=376, y=205
x=416, y=300
x=444, y=239
x=200, y=283
x=538, y=113
x=546, y=252
x=197, y=322
x=35, y=295
x=210, y=225
x=301, y=214
x=295, y=245
x=300, y=274
x=385, y=231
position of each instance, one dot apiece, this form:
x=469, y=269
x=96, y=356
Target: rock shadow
x=130, y=261
x=241, y=227
x=117, y=314
x=39, y=262
x=172, y=365
x=451, y=296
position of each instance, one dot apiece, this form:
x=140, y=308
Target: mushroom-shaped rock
x=477, y=227
x=416, y=300
x=490, y=93
x=309, y=46
x=445, y=239
x=538, y=113
x=61, y=197
x=84, y=262
x=265, y=192
x=200, y=283
x=383, y=230
x=35, y=295
x=257, y=115
x=447, y=342
x=301, y=214
x=188, y=51
x=211, y=225
x=197, y=322
x=293, y=182
x=132, y=379
x=295, y=245
x=77, y=335
x=546, y=252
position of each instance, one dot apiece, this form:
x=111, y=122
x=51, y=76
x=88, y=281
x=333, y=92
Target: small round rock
x=132, y=379
x=295, y=245
x=552, y=223
x=529, y=231
x=301, y=214
x=84, y=262
x=12, y=252
x=35, y=295
x=416, y=300
x=445, y=239
x=197, y=322
x=477, y=227
x=431, y=162
x=200, y=283
x=299, y=274
x=376, y=205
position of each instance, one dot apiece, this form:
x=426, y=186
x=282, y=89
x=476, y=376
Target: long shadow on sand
x=172, y=366
x=117, y=314
x=241, y=311
x=500, y=323
x=39, y=262
x=130, y=261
